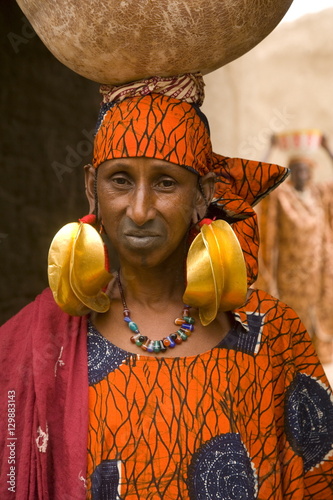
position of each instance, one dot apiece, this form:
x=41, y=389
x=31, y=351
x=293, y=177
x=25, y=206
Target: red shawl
x=43, y=404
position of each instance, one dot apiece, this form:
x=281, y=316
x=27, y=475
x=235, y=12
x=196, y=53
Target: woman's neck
x=154, y=285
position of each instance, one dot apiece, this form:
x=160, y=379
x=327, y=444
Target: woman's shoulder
x=278, y=323
x=41, y=315
x=261, y=302
x=43, y=300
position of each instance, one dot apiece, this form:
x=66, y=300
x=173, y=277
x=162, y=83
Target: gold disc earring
x=77, y=269
x=215, y=270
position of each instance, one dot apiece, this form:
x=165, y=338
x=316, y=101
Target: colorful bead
x=172, y=343
x=188, y=327
x=179, y=321
x=156, y=346
x=134, y=338
x=178, y=339
x=189, y=319
x=144, y=346
x=133, y=326
x=150, y=347
x=140, y=339
x=182, y=334
x=162, y=346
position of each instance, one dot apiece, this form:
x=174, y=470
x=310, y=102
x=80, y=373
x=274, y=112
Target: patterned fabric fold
x=241, y=184
x=187, y=88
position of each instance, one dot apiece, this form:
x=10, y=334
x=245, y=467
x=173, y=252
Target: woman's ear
x=90, y=186
x=206, y=189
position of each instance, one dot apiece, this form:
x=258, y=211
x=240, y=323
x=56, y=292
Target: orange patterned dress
x=250, y=419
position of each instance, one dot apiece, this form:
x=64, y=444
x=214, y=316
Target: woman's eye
x=166, y=183
x=120, y=181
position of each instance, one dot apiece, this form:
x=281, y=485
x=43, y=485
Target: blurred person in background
x=297, y=247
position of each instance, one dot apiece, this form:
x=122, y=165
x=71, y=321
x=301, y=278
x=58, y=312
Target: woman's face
x=300, y=174
x=147, y=206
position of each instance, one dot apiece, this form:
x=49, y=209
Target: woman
x=296, y=248
x=238, y=409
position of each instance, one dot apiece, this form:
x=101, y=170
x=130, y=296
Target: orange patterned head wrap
x=155, y=126
x=147, y=118
x=160, y=118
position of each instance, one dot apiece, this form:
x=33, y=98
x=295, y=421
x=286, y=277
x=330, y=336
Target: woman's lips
x=141, y=239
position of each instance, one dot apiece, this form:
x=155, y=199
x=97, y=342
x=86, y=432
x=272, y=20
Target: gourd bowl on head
x=118, y=41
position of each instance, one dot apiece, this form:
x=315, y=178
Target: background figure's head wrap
x=160, y=118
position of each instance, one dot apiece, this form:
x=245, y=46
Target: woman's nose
x=141, y=206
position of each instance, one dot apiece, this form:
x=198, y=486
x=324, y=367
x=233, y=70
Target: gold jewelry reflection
x=216, y=272
x=76, y=270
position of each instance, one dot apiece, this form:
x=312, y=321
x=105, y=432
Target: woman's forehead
x=147, y=166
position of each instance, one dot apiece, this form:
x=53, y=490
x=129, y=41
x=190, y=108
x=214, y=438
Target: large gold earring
x=216, y=272
x=76, y=268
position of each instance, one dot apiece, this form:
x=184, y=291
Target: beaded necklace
x=185, y=328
